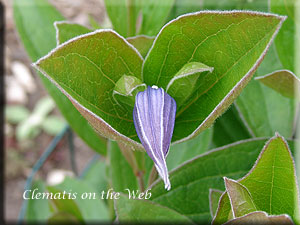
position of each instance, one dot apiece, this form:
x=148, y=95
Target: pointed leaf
x=94, y=63
x=142, y=43
x=272, y=105
x=66, y=31
x=214, y=197
x=285, y=42
x=261, y=218
x=272, y=177
x=34, y=21
x=224, y=212
x=283, y=81
x=209, y=38
x=144, y=211
x=187, y=80
x=240, y=198
x=191, y=181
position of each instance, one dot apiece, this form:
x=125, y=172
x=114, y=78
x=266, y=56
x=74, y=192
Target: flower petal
x=154, y=118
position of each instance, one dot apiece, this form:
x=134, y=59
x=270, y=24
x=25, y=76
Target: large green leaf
x=86, y=69
x=204, y=172
x=283, y=81
x=276, y=113
x=272, y=177
x=187, y=150
x=143, y=211
x=285, y=41
x=34, y=20
x=88, y=200
x=189, y=194
x=120, y=172
x=231, y=42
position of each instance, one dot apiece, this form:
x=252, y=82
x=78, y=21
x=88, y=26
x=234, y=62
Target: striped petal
x=154, y=117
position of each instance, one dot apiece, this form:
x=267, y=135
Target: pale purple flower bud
x=154, y=117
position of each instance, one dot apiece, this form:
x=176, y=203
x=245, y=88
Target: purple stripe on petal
x=154, y=118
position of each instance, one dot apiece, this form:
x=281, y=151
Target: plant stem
x=152, y=176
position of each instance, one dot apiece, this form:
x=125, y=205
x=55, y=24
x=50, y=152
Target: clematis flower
x=154, y=117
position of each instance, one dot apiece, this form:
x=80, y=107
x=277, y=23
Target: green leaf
x=16, y=113
x=38, y=210
x=184, y=151
x=143, y=211
x=92, y=209
x=261, y=218
x=64, y=204
x=240, y=198
x=121, y=173
x=34, y=21
x=272, y=177
x=286, y=38
x=284, y=82
x=123, y=15
x=142, y=43
x=272, y=106
x=233, y=43
x=230, y=128
x=96, y=176
x=94, y=63
x=214, y=197
x=187, y=80
x=66, y=31
x=224, y=212
x=206, y=171
x=126, y=89
x=154, y=15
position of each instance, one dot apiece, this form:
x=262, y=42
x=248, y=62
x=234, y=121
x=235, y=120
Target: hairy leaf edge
x=209, y=152
x=114, y=134
x=241, y=84
x=265, y=214
x=56, y=23
x=230, y=197
x=150, y=202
